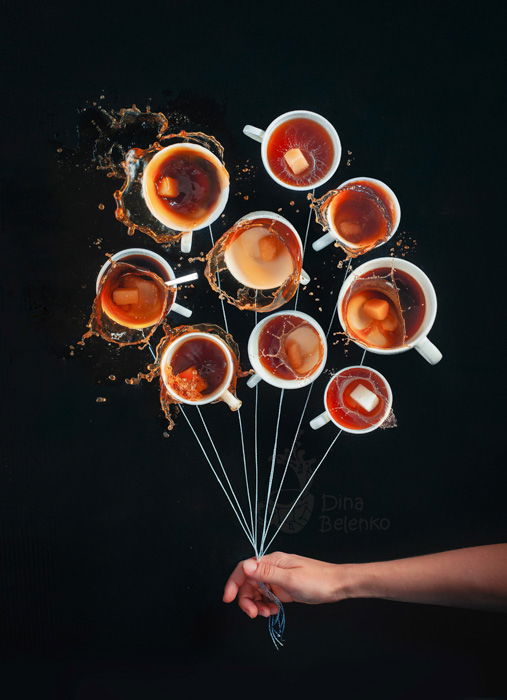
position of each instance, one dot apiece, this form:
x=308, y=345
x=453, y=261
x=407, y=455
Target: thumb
x=266, y=572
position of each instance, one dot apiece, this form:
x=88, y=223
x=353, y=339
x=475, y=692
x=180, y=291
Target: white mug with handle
x=263, y=138
x=222, y=392
x=325, y=417
x=333, y=235
x=166, y=272
x=304, y=277
x=262, y=373
x=419, y=341
x=161, y=213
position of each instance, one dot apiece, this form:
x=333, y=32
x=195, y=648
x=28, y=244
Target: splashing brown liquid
x=279, y=240
x=372, y=310
x=108, y=325
x=131, y=208
x=168, y=402
x=360, y=212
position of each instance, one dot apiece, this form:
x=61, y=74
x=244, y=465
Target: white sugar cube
x=364, y=397
x=296, y=160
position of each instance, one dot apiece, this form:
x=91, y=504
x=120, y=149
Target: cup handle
x=321, y=420
x=429, y=351
x=323, y=241
x=181, y=310
x=232, y=401
x=304, y=278
x=253, y=380
x=253, y=132
x=186, y=242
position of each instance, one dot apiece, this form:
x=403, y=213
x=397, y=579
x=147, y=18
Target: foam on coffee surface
x=258, y=258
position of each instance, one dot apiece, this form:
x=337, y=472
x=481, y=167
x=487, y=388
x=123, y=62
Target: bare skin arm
x=474, y=577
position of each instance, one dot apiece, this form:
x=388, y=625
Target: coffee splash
x=244, y=297
x=321, y=210
x=121, y=143
x=168, y=402
x=379, y=328
x=101, y=324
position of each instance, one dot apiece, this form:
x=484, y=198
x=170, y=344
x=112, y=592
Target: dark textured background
x=114, y=541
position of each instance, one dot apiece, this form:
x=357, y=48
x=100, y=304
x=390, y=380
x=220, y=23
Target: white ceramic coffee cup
x=419, y=341
x=263, y=138
x=169, y=274
x=326, y=416
x=222, y=392
x=161, y=214
x=262, y=373
x=333, y=236
x=304, y=276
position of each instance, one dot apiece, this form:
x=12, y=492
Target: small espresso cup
x=419, y=340
x=333, y=236
x=161, y=214
x=304, y=277
x=263, y=138
x=262, y=372
x=222, y=392
x=165, y=268
x=326, y=416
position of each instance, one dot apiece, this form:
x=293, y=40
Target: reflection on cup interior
x=264, y=254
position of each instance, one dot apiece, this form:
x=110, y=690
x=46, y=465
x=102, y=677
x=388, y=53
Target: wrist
x=355, y=581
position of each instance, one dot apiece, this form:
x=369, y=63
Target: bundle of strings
x=276, y=623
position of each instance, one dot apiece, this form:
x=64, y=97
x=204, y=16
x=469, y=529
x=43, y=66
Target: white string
x=304, y=248
x=215, y=473
x=289, y=458
x=265, y=549
x=272, y=470
x=245, y=470
x=223, y=469
x=256, y=455
x=247, y=483
x=302, y=416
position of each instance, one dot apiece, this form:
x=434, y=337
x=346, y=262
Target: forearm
x=475, y=577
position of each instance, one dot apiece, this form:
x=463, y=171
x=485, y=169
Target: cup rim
x=121, y=254
x=228, y=377
x=376, y=425
x=126, y=252
x=426, y=286
x=221, y=202
x=261, y=214
x=264, y=373
x=389, y=192
x=303, y=114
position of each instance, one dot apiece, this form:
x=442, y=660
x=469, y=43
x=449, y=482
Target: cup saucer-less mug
x=222, y=392
x=263, y=137
x=261, y=372
x=333, y=236
x=160, y=266
x=252, y=216
x=326, y=416
x=419, y=340
x=162, y=214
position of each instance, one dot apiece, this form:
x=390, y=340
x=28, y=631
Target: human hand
x=291, y=578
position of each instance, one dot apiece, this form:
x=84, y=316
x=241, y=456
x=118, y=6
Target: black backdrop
x=115, y=541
